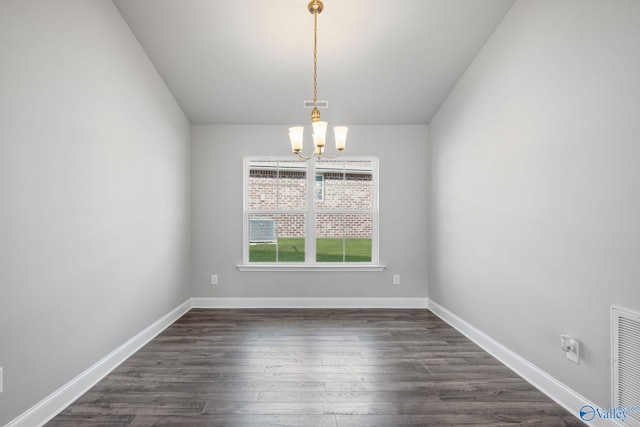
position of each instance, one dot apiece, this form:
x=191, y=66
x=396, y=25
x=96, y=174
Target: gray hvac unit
x=262, y=230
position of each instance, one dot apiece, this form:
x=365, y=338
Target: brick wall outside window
x=284, y=190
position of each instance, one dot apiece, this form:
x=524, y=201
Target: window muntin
x=314, y=221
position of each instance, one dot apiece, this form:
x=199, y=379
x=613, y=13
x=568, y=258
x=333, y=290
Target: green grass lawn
x=327, y=250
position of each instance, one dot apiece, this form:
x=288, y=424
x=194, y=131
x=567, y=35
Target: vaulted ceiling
x=251, y=61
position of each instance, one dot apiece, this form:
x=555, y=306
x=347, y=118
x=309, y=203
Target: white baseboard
x=557, y=391
x=57, y=401
x=309, y=303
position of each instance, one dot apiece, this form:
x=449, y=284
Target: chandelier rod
x=316, y=8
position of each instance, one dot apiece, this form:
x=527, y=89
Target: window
x=310, y=214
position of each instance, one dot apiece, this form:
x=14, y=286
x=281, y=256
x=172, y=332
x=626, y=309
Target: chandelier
x=319, y=127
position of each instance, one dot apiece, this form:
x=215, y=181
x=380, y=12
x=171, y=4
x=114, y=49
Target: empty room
x=319, y=213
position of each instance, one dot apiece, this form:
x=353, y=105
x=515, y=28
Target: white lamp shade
x=341, y=137
x=320, y=128
x=295, y=135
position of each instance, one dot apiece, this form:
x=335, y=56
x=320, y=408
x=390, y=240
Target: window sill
x=311, y=267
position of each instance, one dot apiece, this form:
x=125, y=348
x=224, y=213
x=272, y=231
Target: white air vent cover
x=626, y=363
x=321, y=104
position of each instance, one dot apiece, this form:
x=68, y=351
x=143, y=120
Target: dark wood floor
x=333, y=368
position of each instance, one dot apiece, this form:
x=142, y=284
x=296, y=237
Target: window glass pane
x=292, y=189
x=329, y=237
x=333, y=185
x=358, y=225
x=291, y=229
x=262, y=238
x=358, y=250
x=346, y=185
x=344, y=237
x=358, y=235
x=277, y=185
x=277, y=237
x=358, y=186
x=263, y=185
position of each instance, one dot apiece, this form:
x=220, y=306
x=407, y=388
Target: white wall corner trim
x=557, y=391
x=57, y=401
x=420, y=303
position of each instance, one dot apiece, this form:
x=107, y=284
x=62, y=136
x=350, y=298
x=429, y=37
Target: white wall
x=217, y=162
x=534, y=173
x=94, y=217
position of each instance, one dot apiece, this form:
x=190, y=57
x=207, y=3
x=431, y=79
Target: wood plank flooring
x=337, y=368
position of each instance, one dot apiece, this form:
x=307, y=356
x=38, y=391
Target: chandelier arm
x=319, y=155
x=326, y=156
x=304, y=158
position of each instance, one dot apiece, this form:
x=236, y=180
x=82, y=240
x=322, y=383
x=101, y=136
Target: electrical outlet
x=1, y=379
x=214, y=279
x=396, y=279
x=574, y=355
x=571, y=348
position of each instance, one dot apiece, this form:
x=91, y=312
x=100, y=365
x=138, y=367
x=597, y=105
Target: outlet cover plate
x=574, y=355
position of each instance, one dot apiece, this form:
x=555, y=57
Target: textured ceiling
x=251, y=61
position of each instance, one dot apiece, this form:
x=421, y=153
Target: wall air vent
x=626, y=363
x=321, y=104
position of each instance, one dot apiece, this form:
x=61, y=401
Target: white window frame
x=310, y=240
